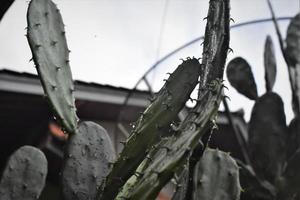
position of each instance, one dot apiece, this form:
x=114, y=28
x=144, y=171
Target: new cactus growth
x=89, y=153
x=216, y=176
x=24, y=176
x=47, y=41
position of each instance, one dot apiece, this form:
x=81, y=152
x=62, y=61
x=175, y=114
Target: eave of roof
x=18, y=82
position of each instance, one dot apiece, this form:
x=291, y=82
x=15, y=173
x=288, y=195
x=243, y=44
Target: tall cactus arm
x=216, y=42
x=169, y=101
x=171, y=153
x=47, y=41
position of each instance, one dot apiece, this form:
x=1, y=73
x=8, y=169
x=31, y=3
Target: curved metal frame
x=143, y=78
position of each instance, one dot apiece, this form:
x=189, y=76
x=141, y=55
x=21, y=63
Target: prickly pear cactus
x=274, y=148
x=290, y=179
x=24, y=176
x=267, y=136
x=293, y=138
x=217, y=177
x=156, y=117
x=240, y=76
x=87, y=160
x=47, y=41
x=293, y=41
x=270, y=64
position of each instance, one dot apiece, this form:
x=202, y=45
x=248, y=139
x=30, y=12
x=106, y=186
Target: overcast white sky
x=114, y=42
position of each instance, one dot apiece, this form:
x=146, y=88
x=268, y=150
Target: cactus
x=241, y=78
x=270, y=64
x=149, y=126
x=181, y=179
x=47, y=41
x=273, y=147
x=254, y=187
x=24, y=176
x=216, y=177
x=267, y=136
x=153, y=153
x=171, y=153
x=290, y=179
x=89, y=153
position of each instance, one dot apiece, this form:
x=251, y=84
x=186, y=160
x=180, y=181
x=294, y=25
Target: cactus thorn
x=53, y=43
x=227, y=97
x=205, y=18
x=37, y=46
x=230, y=50
x=231, y=19
x=37, y=25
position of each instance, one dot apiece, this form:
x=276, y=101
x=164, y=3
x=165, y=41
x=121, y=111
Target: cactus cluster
x=155, y=152
x=273, y=147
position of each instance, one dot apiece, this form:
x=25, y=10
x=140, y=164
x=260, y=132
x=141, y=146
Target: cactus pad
x=217, y=177
x=267, y=136
x=293, y=40
x=270, y=64
x=46, y=37
x=24, y=176
x=86, y=162
x=240, y=76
